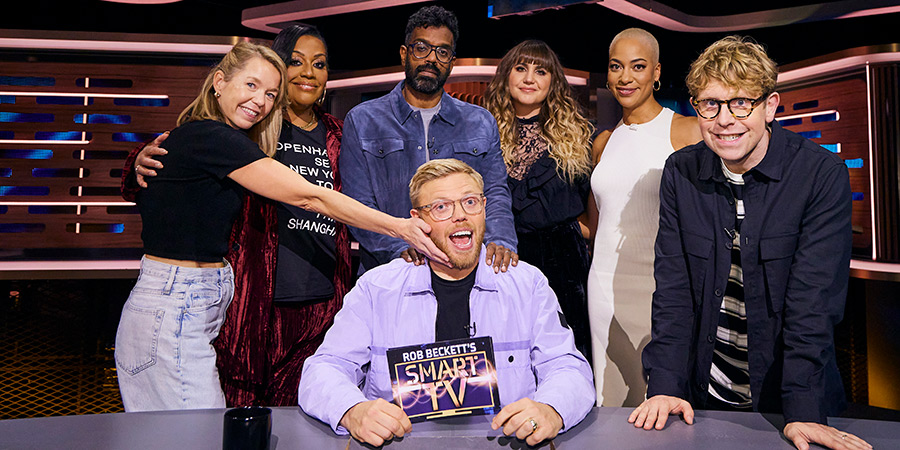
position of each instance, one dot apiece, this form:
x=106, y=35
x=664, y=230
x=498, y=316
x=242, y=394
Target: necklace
x=311, y=124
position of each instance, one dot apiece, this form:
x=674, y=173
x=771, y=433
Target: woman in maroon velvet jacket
x=263, y=343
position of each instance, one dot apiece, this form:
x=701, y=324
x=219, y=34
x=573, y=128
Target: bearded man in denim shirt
x=386, y=139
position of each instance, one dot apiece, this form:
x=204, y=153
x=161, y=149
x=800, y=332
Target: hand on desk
x=804, y=433
x=376, y=421
x=519, y=418
x=655, y=411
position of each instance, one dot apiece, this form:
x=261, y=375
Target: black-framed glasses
x=740, y=108
x=443, y=209
x=421, y=50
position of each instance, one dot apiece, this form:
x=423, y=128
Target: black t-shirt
x=306, y=250
x=188, y=210
x=452, y=321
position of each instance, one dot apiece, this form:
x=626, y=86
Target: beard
x=462, y=260
x=422, y=84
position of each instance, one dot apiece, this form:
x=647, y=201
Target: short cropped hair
x=432, y=16
x=440, y=168
x=641, y=35
x=737, y=62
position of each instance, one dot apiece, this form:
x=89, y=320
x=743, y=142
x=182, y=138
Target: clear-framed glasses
x=443, y=209
x=740, y=108
x=421, y=50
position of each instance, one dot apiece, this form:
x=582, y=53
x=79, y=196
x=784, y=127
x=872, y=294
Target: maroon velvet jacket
x=245, y=343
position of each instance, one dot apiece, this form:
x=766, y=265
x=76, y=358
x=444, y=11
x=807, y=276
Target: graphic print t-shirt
x=305, y=239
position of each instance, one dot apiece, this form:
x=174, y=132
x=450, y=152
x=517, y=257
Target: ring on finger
x=843, y=436
x=137, y=167
x=534, y=425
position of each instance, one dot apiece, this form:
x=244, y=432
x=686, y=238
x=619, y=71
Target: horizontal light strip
x=817, y=113
x=42, y=142
x=828, y=67
x=68, y=203
x=458, y=71
x=82, y=94
x=114, y=46
x=69, y=265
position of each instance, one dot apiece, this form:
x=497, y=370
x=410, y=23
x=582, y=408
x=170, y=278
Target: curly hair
x=737, y=62
x=205, y=107
x=562, y=124
x=432, y=16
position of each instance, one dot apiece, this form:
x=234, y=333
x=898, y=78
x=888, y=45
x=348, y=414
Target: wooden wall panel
x=847, y=96
x=78, y=173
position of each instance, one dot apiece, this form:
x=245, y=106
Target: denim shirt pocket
x=388, y=165
x=471, y=152
x=776, y=253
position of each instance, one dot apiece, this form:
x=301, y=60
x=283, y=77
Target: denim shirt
x=384, y=144
x=394, y=305
x=795, y=256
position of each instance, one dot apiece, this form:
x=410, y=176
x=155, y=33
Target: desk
x=603, y=428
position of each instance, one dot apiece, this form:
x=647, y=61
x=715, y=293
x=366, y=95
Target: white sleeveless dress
x=625, y=185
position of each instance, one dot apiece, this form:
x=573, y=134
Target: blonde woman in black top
x=164, y=355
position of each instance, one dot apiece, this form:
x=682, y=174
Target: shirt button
x=702, y=386
x=474, y=151
x=709, y=338
x=511, y=359
x=435, y=152
x=728, y=245
x=380, y=151
x=419, y=147
x=718, y=292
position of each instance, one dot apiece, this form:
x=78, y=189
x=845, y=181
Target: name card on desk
x=445, y=378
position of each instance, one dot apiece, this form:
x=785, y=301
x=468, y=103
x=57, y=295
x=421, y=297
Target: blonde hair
x=641, y=35
x=206, y=107
x=737, y=62
x=440, y=168
x=561, y=123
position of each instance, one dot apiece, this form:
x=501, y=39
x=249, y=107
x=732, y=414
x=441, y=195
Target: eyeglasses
x=740, y=108
x=421, y=50
x=444, y=209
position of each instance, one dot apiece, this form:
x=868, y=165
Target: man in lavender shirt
x=545, y=384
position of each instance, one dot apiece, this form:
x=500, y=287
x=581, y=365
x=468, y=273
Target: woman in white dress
x=629, y=161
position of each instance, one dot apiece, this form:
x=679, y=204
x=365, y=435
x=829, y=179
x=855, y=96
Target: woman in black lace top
x=546, y=146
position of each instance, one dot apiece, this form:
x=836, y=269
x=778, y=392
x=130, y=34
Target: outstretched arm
x=274, y=180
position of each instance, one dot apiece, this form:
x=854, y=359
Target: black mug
x=247, y=428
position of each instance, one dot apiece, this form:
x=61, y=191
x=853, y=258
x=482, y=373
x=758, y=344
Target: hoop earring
x=656, y=85
x=607, y=85
x=321, y=100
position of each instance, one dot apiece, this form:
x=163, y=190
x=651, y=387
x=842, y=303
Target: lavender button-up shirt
x=393, y=306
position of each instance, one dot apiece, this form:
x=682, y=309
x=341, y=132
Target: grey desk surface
x=603, y=428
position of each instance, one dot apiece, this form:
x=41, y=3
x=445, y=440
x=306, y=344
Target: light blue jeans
x=164, y=353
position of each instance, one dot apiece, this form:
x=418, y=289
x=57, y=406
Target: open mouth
x=462, y=239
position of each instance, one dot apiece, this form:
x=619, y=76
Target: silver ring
x=533, y=425
x=843, y=437
x=137, y=167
